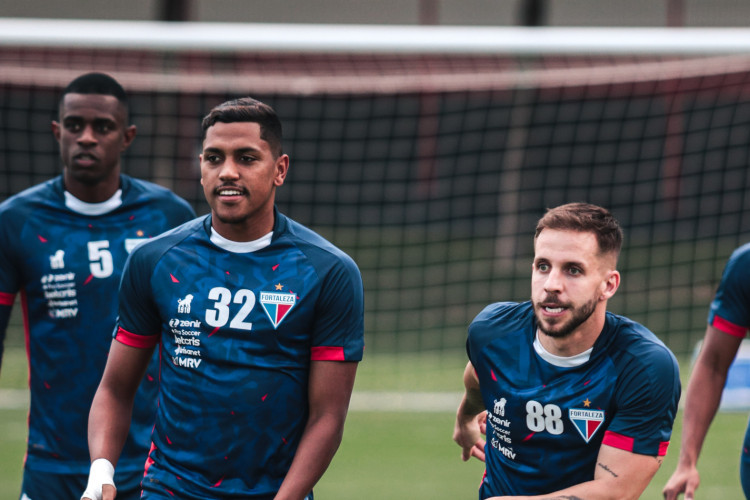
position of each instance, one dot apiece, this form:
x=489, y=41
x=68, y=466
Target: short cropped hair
x=585, y=218
x=247, y=109
x=96, y=83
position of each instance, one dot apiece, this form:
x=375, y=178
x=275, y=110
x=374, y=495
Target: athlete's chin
x=89, y=177
x=558, y=333
x=555, y=329
x=230, y=218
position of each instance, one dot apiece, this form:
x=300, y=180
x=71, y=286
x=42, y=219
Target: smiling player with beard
x=575, y=401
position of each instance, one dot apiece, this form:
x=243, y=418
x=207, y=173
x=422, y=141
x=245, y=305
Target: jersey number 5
x=100, y=259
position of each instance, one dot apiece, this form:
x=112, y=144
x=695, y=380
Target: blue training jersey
x=730, y=309
x=546, y=423
x=67, y=267
x=236, y=333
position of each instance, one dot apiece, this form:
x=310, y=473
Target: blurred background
x=605, y=13
x=426, y=138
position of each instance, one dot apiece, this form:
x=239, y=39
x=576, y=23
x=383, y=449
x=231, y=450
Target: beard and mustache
x=559, y=328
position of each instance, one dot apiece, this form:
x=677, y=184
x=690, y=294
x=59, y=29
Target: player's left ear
x=200, y=162
x=282, y=167
x=128, y=137
x=56, y=130
x=610, y=284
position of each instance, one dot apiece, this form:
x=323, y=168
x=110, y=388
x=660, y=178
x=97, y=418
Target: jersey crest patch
x=586, y=421
x=277, y=305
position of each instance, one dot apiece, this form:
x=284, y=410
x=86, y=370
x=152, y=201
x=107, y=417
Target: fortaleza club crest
x=277, y=305
x=587, y=422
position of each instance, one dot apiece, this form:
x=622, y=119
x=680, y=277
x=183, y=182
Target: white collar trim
x=240, y=246
x=561, y=361
x=85, y=208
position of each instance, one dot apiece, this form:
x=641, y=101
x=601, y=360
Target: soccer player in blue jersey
x=576, y=402
x=63, y=247
x=259, y=326
x=728, y=322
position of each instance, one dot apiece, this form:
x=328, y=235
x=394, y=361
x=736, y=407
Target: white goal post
x=389, y=39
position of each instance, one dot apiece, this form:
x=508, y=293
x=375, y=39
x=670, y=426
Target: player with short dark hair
x=64, y=245
x=728, y=322
x=575, y=401
x=259, y=325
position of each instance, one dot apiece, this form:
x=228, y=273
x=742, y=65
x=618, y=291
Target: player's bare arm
x=701, y=403
x=468, y=429
x=619, y=475
x=112, y=407
x=330, y=389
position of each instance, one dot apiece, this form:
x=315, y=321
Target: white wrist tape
x=102, y=472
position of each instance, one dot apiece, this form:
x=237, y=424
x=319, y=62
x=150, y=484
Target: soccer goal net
x=428, y=154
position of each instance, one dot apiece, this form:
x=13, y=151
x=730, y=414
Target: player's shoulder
x=739, y=261
x=45, y=193
x=647, y=371
x=500, y=319
x=502, y=324
x=137, y=189
x=505, y=312
x=637, y=347
x=320, y=251
x=154, y=248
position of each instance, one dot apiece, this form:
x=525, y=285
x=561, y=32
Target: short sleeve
x=338, y=332
x=139, y=323
x=648, y=392
x=730, y=309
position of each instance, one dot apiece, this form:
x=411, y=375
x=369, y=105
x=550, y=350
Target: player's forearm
x=319, y=443
x=618, y=475
x=591, y=490
x=702, y=400
x=112, y=408
x=109, y=422
x=471, y=404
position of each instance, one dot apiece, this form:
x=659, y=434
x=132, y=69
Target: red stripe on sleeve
x=327, y=353
x=618, y=441
x=7, y=299
x=663, y=448
x=133, y=340
x=728, y=327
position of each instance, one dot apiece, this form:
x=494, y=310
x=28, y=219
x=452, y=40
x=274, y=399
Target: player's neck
x=92, y=193
x=245, y=230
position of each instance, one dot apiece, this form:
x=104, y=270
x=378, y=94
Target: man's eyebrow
x=213, y=149
x=566, y=263
x=101, y=119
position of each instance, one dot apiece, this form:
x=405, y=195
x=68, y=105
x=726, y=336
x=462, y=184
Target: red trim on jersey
x=149, y=460
x=7, y=299
x=26, y=336
x=663, y=448
x=728, y=327
x=626, y=443
x=618, y=441
x=327, y=353
x=133, y=340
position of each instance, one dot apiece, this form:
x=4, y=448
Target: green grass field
x=398, y=455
